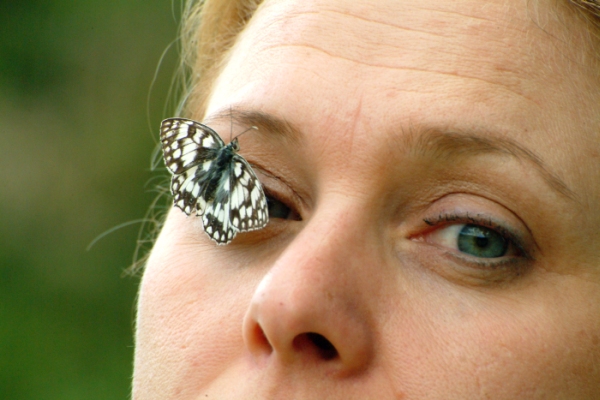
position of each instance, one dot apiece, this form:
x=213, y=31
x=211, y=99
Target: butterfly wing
x=240, y=204
x=216, y=218
x=235, y=202
x=189, y=149
x=248, y=204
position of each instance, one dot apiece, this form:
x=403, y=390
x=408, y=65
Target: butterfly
x=211, y=180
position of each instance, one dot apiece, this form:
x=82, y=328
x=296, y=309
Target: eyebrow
x=454, y=144
x=425, y=142
x=266, y=123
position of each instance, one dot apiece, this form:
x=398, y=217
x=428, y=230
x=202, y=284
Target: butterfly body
x=213, y=177
x=211, y=180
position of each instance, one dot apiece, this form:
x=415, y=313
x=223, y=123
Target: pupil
x=481, y=242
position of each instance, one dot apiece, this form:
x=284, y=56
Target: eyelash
x=451, y=218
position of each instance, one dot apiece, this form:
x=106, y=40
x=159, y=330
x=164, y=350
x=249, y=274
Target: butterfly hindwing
x=216, y=219
x=186, y=189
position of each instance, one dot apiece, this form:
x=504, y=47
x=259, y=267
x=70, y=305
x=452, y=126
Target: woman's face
x=433, y=170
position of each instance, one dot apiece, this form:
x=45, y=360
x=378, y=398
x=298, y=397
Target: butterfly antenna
x=231, y=127
x=249, y=129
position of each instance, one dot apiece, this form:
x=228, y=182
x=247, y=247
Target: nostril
x=260, y=340
x=324, y=347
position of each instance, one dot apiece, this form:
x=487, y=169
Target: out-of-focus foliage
x=75, y=146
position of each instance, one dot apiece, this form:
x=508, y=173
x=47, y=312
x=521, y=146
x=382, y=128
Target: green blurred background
x=78, y=123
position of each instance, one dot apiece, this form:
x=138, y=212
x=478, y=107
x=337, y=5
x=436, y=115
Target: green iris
x=479, y=241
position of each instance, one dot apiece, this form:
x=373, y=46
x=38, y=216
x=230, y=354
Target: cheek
x=543, y=345
x=189, y=320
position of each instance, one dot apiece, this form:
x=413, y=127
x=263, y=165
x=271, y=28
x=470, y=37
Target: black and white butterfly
x=212, y=180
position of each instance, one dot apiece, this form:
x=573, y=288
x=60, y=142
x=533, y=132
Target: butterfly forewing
x=239, y=205
x=189, y=149
x=248, y=202
x=187, y=143
x=209, y=179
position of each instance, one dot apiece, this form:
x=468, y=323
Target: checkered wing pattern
x=240, y=204
x=212, y=180
x=189, y=150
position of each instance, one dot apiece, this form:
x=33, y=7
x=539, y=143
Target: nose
x=315, y=304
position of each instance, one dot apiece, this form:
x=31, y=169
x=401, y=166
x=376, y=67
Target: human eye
x=279, y=207
x=283, y=202
x=479, y=242
x=476, y=236
x=473, y=240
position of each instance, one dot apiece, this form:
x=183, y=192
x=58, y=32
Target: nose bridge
x=312, y=304
x=321, y=260
x=328, y=255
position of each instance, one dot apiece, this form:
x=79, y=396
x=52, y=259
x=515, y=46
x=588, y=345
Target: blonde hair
x=591, y=6
x=208, y=31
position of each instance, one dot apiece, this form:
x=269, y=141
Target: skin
x=410, y=119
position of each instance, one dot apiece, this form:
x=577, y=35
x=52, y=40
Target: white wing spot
x=188, y=157
x=238, y=170
x=238, y=196
x=207, y=141
x=196, y=191
x=201, y=204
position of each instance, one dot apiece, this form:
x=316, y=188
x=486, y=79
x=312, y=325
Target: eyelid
x=278, y=188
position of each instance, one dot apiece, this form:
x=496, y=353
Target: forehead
x=507, y=67
x=404, y=49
